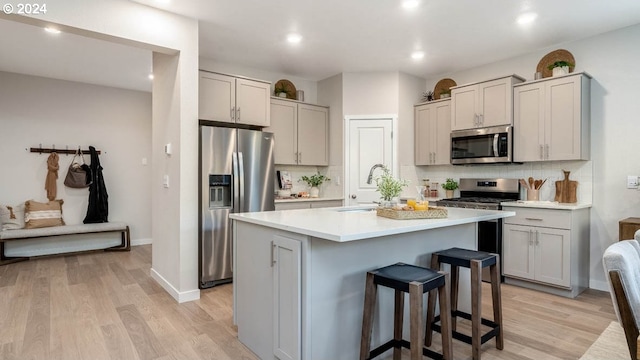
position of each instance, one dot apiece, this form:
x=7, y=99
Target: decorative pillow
x=12, y=217
x=39, y=215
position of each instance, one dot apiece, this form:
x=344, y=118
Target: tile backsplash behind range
x=582, y=171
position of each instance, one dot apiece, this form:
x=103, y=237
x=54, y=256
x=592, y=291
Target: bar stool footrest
x=495, y=328
x=405, y=344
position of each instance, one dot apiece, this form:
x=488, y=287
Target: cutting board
x=566, y=189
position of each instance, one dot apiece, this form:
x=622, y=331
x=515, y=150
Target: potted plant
x=445, y=93
x=449, y=186
x=314, y=181
x=560, y=67
x=280, y=91
x=389, y=187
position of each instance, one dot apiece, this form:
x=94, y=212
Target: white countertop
x=546, y=205
x=294, y=200
x=342, y=226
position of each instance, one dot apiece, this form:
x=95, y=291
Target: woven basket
x=550, y=58
x=289, y=88
x=433, y=213
x=442, y=85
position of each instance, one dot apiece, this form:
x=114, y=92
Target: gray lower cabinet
x=301, y=204
x=547, y=249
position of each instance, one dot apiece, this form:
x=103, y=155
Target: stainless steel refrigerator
x=236, y=175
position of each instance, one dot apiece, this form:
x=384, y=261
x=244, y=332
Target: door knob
x=354, y=196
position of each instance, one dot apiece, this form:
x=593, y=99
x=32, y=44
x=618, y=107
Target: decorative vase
x=560, y=70
x=444, y=96
x=282, y=94
x=314, y=192
x=449, y=194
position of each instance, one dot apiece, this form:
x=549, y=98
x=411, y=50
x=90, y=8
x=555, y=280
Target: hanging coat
x=52, y=176
x=98, y=209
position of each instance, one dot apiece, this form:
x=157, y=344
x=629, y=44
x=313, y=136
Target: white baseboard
x=180, y=297
x=599, y=285
x=146, y=241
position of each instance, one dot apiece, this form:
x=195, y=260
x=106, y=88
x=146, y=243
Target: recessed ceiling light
x=150, y=76
x=417, y=55
x=294, y=38
x=163, y=1
x=526, y=18
x=52, y=30
x=410, y=4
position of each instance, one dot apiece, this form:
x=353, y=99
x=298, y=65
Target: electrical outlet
x=632, y=182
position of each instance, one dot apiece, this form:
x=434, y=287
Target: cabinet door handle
x=475, y=119
x=300, y=157
x=537, y=237
x=533, y=219
x=480, y=119
x=541, y=153
x=433, y=160
x=530, y=237
x=546, y=148
x=233, y=113
x=296, y=156
x=273, y=253
x=238, y=116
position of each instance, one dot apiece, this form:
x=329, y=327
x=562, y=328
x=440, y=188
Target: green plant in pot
x=449, y=186
x=560, y=67
x=314, y=181
x=388, y=186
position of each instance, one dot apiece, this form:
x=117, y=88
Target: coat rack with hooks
x=66, y=150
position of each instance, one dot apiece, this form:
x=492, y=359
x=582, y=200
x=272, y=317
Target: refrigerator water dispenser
x=219, y=191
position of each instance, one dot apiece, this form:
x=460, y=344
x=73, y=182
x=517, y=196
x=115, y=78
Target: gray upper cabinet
x=483, y=104
x=235, y=100
x=301, y=133
x=552, y=119
x=432, y=133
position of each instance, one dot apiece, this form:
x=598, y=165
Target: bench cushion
x=62, y=230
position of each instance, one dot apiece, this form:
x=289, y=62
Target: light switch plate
x=165, y=181
x=632, y=182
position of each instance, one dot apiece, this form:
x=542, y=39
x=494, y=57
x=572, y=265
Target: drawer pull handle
x=533, y=219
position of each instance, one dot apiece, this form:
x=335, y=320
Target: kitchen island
x=299, y=275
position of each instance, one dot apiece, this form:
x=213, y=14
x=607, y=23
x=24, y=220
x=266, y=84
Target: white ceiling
x=31, y=50
x=338, y=36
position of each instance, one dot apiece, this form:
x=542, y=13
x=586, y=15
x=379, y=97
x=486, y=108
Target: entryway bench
x=19, y=234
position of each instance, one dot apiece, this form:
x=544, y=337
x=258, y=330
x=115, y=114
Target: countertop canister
x=300, y=95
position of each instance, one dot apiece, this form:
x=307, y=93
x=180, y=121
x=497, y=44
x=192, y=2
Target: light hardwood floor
x=106, y=306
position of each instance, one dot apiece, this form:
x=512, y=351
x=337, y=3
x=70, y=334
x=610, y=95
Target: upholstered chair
x=622, y=268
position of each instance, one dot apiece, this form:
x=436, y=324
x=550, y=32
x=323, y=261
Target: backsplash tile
x=581, y=171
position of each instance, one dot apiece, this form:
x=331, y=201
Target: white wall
x=309, y=87
x=410, y=92
x=38, y=110
x=175, y=267
x=370, y=93
x=611, y=59
x=330, y=93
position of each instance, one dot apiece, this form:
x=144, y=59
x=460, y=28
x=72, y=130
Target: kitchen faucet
x=370, y=177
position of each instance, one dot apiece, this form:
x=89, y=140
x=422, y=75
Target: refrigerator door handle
x=241, y=180
x=236, y=192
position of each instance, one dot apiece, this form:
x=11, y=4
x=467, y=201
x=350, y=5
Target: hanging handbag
x=77, y=176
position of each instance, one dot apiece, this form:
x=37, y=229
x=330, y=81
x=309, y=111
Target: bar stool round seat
x=475, y=261
x=415, y=281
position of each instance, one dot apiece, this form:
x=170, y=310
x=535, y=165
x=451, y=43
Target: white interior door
x=370, y=142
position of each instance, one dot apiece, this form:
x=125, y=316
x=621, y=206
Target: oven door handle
x=496, y=137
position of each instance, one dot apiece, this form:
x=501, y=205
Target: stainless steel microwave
x=482, y=146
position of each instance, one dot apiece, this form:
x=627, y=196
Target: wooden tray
x=434, y=212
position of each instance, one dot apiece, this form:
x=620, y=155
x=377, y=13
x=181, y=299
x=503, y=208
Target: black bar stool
x=475, y=261
x=416, y=281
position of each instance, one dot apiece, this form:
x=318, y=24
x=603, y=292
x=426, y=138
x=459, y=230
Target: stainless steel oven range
x=486, y=194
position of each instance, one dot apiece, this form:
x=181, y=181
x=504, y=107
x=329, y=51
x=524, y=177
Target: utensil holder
x=533, y=195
